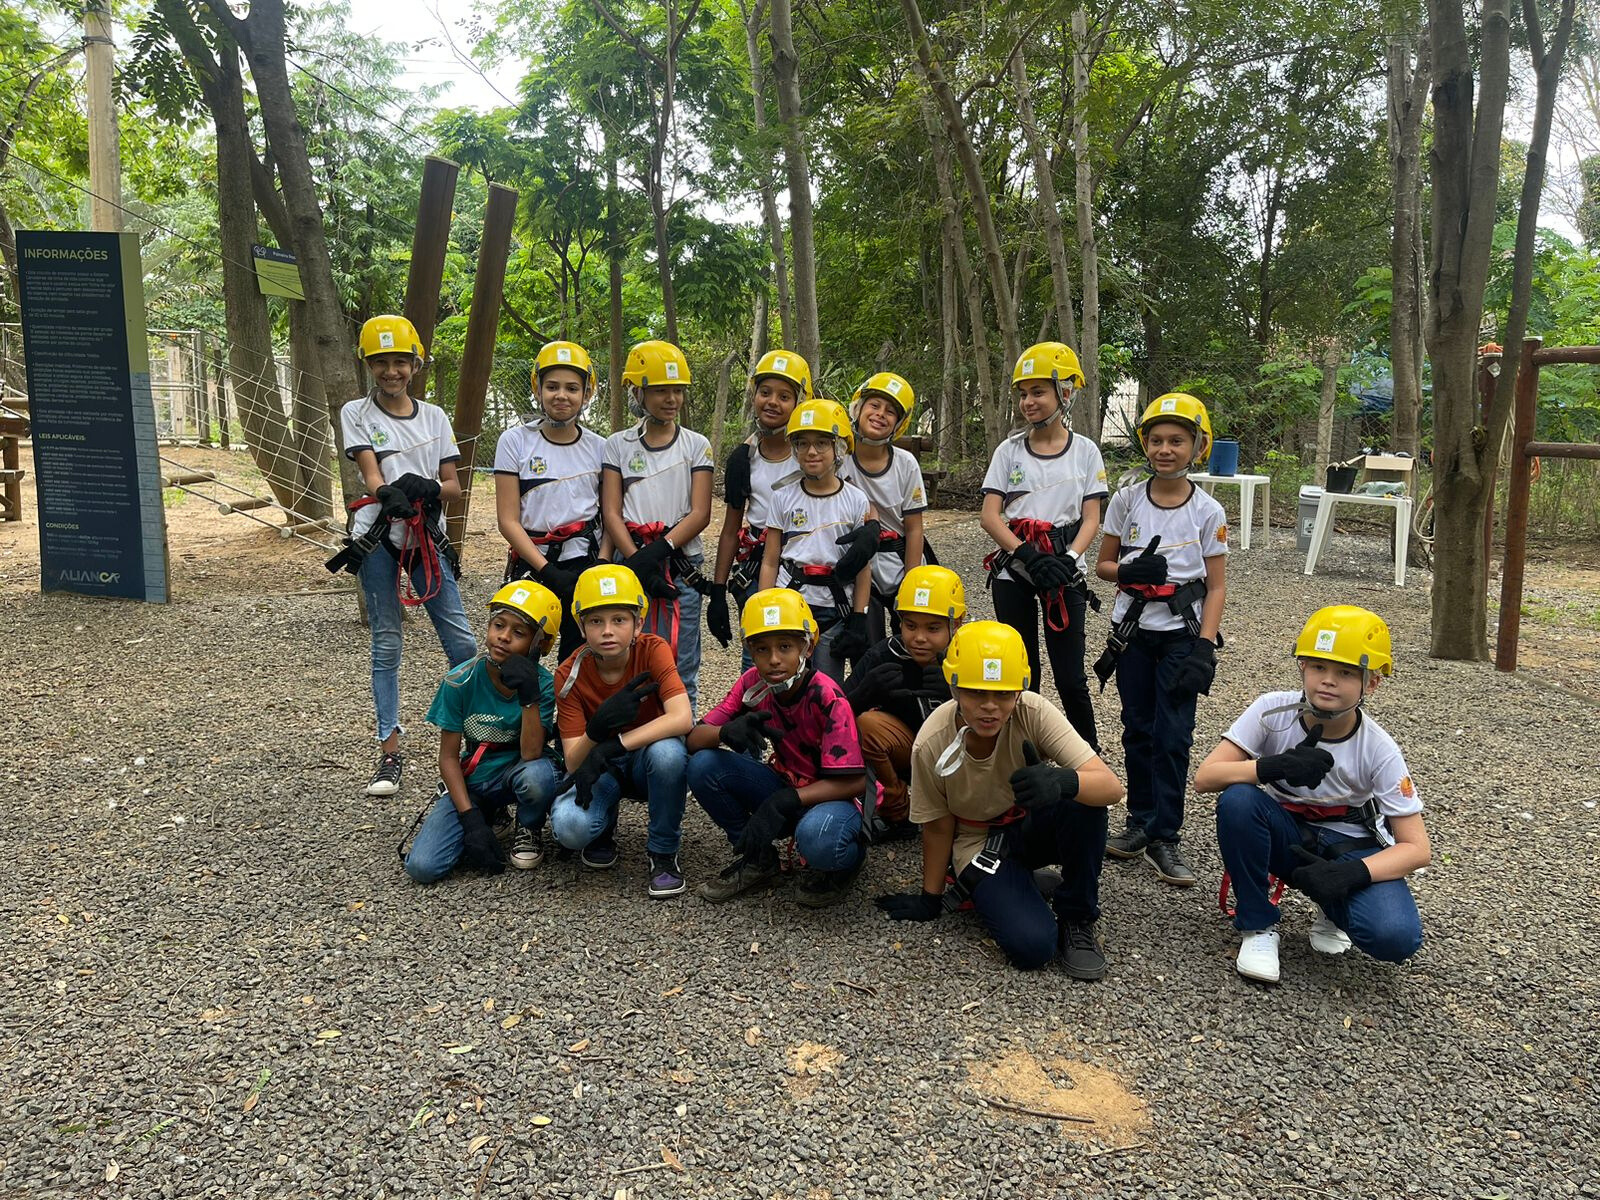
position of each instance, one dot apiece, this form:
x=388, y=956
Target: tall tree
x=786, y=67
x=1407, y=86
x=754, y=18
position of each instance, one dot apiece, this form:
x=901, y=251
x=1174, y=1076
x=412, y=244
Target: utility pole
x=105, y=163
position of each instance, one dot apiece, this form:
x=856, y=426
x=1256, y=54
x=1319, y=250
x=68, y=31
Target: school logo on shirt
x=1407, y=788
x=1015, y=477
x=378, y=437
x=1133, y=535
x=537, y=466
x=1222, y=534
x=799, y=519
x=1101, y=477
x=636, y=463
x=916, y=496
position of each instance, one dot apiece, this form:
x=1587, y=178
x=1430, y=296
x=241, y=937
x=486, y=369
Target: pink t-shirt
x=813, y=736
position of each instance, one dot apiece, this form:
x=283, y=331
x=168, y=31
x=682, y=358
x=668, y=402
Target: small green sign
x=276, y=273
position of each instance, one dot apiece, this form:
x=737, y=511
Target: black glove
x=649, y=558
x=852, y=641
x=480, y=849
x=932, y=683
x=1040, y=784
x=1328, y=882
x=1147, y=566
x=717, y=613
x=593, y=767
x=1194, y=673
x=747, y=733
x=393, y=503
x=1304, y=766
x=620, y=710
x=559, y=580
x=863, y=544
x=1047, y=570
x=777, y=816
x=419, y=489
x=519, y=673
x=868, y=687
x=912, y=906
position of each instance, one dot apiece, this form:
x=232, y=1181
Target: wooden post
x=1488, y=379
x=429, y=245
x=1330, y=382
x=477, y=355
x=105, y=163
x=1511, y=569
x=202, y=387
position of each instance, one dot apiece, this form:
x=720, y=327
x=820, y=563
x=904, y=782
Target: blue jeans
x=379, y=575
x=529, y=785
x=659, y=622
x=657, y=772
x=730, y=787
x=1157, y=732
x=825, y=658
x=740, y=597
x=1256, y=836
x=1023, y=924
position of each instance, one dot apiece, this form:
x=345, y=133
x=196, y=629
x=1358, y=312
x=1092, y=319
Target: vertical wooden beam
x=1511, y=570
x=477, y=355
x=429, y=245
x=105, y=163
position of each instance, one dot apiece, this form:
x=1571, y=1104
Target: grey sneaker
x=1080, y=950
x=1130, y=843
x=1327, y=937
x=823, y=889
x=527, y=848
x=386, y=779
x=1169, y=864
x=739, y=877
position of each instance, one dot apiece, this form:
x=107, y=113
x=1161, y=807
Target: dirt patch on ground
x=808, y=1063
x=1055, y=1087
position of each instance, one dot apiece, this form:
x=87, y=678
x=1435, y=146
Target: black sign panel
x=102, y=530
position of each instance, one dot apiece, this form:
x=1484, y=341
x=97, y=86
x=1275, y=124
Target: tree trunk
x=1049, y=207
x=1087, y=417
x=786, y=69
x=264, y=38
x=977, y=187
x=949, y=324
x=1406, y=88
x=614, y=253
x=753, y=18
x=1330, y=386
x=1465, y=175
x=719, y=412
x=312, y=447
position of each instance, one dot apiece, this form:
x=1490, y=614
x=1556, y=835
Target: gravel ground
x=217, y=981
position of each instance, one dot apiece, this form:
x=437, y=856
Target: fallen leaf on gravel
x=682, y=1110
x=463, y=1049
x=308, y=999
x=253, y=1099
x=752, y=1036
x=622, y=1194
x=1347, y=1022
x=112, y=1171
x=524, y=948
x=64, y=919
x=327, y=1035
x=477, y=1143
x=632, y=1012
x=578, y=1047
x=1200, y=1037
x=970, y=1005
x=671, y=1159
x=512, y=1021
x=677, y=991
x=357, y=905
x=682, y=1077
x=755, y=947
x=450, y=1118
x=433, y=1008
x=488, y=1004
x=798, y=986
x=539, y=1121
x=577, y=1090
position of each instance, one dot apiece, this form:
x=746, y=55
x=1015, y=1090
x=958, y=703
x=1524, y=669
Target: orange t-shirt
x=649, y=653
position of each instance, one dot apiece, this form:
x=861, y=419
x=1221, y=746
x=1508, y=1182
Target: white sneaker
x=1326, y=937
x=527, y=848
x=1258, y=956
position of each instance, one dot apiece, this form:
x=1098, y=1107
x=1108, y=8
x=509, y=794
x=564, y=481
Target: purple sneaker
x=665, y=878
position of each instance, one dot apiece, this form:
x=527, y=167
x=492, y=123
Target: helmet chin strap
x=777, y=690
x=1060, y=413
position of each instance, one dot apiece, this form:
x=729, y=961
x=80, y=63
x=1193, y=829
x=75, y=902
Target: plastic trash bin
x=1224, y=457
x=1307, y=521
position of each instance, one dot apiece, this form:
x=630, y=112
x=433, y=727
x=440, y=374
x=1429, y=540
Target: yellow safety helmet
x=609, y=585
x=1054, y=361
x=1185, y=410
x=936, y=591
x=822, y=416
x=987, y=657
x=534, y=601
x=564, y=354
x=786, y=365
x=897, y=391
x=777, y=610
x=389, y=334
x=655, y=364
x=1346, y=633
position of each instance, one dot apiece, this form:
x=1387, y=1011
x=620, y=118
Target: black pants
x=1022, y=923
x=1157, y=730
x=1017, y=605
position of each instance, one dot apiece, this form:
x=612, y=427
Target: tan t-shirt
x=981, y=789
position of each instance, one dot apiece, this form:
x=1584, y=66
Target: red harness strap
x=1036, y=533
x=642, y=536
x=552, y=538
x=750, y=544
x=418, y=554
x=1010, y=817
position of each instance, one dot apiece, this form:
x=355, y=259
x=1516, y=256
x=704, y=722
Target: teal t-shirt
x=468, y=703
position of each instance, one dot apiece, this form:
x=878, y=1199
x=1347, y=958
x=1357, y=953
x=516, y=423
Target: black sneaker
x=1170, y=867
x=739, y=877
x=823, y=889
x=1130, y=843
x=600, y=854
x=666, y=879
x=1081, y=955
x=386, y=779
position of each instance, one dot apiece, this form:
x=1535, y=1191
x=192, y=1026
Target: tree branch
x=628, y=36
x=522, y=323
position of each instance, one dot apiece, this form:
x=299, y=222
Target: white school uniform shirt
x=1192, y=532
x=1367, y=763
x=765, y=480
x=1045, y=487
x=558, y=483
x=658, y=481
x=417, y=444
x=896, y=492
x=810, y=526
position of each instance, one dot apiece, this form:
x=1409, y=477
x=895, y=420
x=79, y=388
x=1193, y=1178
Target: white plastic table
x=1247, y=500
x=1324, y=527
